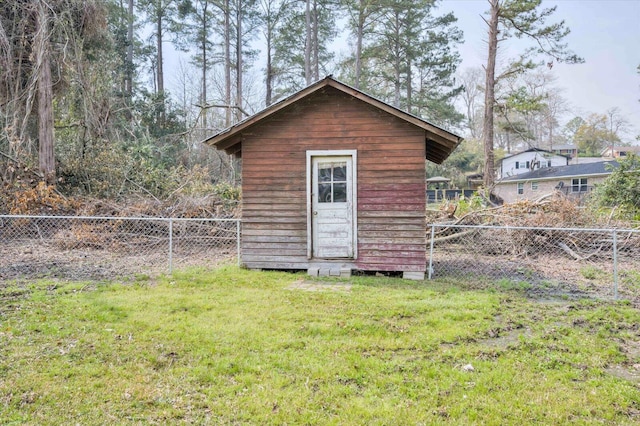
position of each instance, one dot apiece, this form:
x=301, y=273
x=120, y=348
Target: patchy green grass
x=233, y=346
x=594, y=273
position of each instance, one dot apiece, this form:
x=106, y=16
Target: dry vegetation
x=107, y=248
x=25, y=198
x=556, y=212
x=556, y=222
x=551, y=242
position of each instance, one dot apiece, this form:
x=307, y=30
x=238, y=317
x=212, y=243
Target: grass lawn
x=230, y=346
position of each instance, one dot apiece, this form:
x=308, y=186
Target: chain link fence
x=570, y=262
x=73, y=247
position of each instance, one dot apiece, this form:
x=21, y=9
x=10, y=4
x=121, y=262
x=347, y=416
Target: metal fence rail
x=603, y=261
x=80, y=247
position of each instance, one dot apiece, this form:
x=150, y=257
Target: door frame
x=353, y=153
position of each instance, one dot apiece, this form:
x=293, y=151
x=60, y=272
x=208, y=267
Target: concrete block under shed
x=418, y=276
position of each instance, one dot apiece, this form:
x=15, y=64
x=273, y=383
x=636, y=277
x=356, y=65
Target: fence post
x=170, y=245
x=615, y=264
x=433, y=231
x=238, y=240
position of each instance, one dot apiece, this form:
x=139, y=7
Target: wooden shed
x=333, y=180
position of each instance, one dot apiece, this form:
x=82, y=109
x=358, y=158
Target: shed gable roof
x=439, y=142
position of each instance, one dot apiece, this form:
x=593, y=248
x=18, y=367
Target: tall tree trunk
x=129, y=70
x=489, y=96
x=239, y=61
x=269, y=77
x=307, y=44
x=409, y=88
x=46, y=157
x=227, y=62
x=396, y=48
x=397, y=85
x=359, y=37
x=160, y=70
x=205, y=30
x=315, y=43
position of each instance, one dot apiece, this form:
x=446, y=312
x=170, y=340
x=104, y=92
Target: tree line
x=84, y=102
x=77, y=107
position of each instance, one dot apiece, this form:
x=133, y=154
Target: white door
x=332, y=207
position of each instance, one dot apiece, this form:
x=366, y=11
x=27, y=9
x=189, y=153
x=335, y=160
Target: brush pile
x=554, y=225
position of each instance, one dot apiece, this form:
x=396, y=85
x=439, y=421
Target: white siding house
x=575, y=181
x=528, y=161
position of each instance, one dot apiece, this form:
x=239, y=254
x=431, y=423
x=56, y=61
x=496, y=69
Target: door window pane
x=324, y=193
x=340, y=173
x=339, y=192
x=332, y=182
x=324, y=172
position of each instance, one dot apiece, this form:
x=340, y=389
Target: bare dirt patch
x=543, y=277
x=630, y=370
x=33, y=259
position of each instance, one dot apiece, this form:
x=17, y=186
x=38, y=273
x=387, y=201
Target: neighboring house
x=575, y=180
x=568, y=150
x=333, y=180
x=529, y=160
x=620, y=151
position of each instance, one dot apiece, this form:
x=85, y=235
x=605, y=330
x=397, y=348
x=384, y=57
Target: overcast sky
x=606, y=33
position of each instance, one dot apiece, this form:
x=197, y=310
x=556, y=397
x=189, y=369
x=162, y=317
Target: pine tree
x=273, y=14
x=298, y=64
x=198, y=17
x=362, y=15
x=411, y=59
x=521, y=19
x=161, y=14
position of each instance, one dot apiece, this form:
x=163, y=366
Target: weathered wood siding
x=390, y=179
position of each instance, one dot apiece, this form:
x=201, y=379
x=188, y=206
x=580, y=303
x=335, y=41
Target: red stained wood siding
x=391, y=183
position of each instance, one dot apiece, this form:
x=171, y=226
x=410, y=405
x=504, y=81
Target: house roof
x=440, y=142
x=589, y=169
x=533, y=150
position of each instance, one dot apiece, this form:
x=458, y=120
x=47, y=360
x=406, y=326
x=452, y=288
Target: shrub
x=621, y=190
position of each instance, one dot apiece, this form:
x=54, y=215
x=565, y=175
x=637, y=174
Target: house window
x=520, y=188
x=534, y=185
x=579, y=185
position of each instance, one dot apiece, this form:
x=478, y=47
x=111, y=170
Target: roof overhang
x=439, y=142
